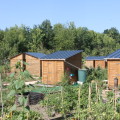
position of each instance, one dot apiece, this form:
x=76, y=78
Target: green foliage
x=17, y=83
x=35, y=43
x=118, y=107
x=69, y=98
x=47, y=38
x=110, y=94
x=17, y=87
x=65, y=80
x=47, y=30
x=18, y=115
x=52, y=101
x=97, y=74
x=99, y=111
x=64, y=38
x=4, y=69
x=66, y=102
x=113, y=32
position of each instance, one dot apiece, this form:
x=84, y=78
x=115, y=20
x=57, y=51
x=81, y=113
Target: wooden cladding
x=96, y=63
x=89, y=63
x=113, y=72
x=76, y=60
x=14, y=60
x=34, y=64
x=100, y=63
x=52, y=71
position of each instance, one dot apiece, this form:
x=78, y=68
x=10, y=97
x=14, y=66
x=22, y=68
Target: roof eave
x=97, y=59
x=32, y=56
x=111, y=58
x=15, y=56
x=53, y=59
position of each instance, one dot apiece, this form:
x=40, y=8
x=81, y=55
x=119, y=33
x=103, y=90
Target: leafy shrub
x=110, y=94
x=64, y=80
x=118, y=107
x=18, y=115
x=96, y=74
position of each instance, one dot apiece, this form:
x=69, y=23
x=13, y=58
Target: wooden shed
x=55, y=65
x=32, y=59
x=113, y=61
x=95, y=61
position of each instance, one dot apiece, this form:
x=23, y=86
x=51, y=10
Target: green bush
x=18, y=115
x=97, y=74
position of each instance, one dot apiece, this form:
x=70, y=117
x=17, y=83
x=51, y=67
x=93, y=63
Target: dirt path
x=43, y=111
x=105, y=92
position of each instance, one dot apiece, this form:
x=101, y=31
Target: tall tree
x=64, y=37
x=47, y=30
x=15, y=40
x=112, y=32
x=84, y=39
x=35, y=44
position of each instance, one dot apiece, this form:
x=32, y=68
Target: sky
x=96, y=15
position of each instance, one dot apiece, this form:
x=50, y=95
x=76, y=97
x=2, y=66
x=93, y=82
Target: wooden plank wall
x=34, y=66
x=52, y=71
x=100, y=63
x=14, y=60
x=96, y=63
x=71, y=70
x=113, y=72
x=89, y=63
x=76, y=60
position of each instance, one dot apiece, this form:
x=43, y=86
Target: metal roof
x=34, y=54
x=61, y=54
x=114, y=55
x=95, y=58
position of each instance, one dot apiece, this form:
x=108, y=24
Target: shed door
x=113, y=71
x=48, y=74
x=52, y=71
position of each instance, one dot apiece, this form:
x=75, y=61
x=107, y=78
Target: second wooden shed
x=95, y=61
x=32, y=59
x=113, y=61
x=55, y=65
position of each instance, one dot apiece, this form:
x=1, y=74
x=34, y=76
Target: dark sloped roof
x=95, y=58
x=113, y=55
x=34, y=54
x=62, y=54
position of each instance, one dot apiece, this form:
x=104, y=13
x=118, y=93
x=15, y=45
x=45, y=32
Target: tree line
x=47, y=38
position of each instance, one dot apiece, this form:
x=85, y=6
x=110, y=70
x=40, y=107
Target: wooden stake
x=1, y=95
x=96, y=92
x=62, y=96
x=98, y=95
x=79, y=102
x=114, y=101
x=89, y=97
x=62, y=100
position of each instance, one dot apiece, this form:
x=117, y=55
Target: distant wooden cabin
x=113, y=61
x=95, y=61
x=32, y=59
x=55, y=65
